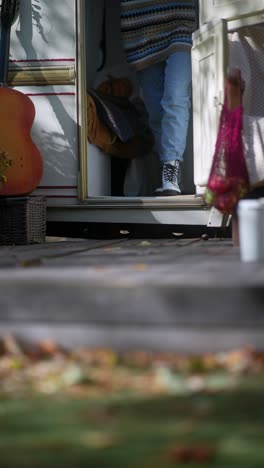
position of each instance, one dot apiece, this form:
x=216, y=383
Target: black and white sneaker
x=171, y=179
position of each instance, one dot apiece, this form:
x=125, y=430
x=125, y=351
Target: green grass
x=127, y=432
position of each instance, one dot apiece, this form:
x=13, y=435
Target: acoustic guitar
x=17, y=113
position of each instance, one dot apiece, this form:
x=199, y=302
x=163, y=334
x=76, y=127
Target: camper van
x=58, y=51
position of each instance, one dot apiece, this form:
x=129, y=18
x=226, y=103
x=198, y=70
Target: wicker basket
x=22, y=220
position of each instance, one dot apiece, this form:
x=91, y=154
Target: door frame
x=180, y=202
x=81, y=100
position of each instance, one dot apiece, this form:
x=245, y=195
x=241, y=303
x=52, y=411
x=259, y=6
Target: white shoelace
x=171, y=172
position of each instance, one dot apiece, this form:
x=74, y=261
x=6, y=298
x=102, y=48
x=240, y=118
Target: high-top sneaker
x=171, y=179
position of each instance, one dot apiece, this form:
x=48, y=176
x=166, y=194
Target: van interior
x=108, y=175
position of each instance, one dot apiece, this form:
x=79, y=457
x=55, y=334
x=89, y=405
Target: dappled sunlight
x=46, y=31
x=37, y=35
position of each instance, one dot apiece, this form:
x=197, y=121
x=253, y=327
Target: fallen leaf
x=140, y=267
x=29, y=263
x=145, y=243
x=98, y=440
x=190, y=454
x=10, y=345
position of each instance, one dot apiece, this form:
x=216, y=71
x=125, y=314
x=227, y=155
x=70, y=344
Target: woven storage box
x=22, y=220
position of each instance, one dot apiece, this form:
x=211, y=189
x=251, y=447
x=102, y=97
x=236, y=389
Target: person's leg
x=175, y=104
x=151, y=82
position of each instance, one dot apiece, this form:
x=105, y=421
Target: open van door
x=212, y=53
x=209, y=63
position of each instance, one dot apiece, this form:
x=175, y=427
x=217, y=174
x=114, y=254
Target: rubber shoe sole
x=166, y=193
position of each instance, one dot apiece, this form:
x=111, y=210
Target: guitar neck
x=4, y=54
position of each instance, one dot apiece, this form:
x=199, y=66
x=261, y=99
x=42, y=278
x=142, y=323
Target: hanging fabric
x=228, y=180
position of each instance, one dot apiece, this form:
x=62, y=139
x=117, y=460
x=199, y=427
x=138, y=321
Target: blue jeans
x=166, y=91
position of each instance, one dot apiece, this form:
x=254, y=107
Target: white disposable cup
x=251, y=230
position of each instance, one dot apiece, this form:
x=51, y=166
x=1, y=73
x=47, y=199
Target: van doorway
x=109, y=176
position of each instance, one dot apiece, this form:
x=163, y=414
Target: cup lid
x=255, y=204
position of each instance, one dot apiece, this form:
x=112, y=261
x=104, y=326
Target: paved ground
x=160, y=294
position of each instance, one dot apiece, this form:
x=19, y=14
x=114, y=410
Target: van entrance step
x=185, y=295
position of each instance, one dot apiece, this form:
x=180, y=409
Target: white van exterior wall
x=45, y=35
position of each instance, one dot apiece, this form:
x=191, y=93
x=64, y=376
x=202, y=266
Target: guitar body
x=17, y=114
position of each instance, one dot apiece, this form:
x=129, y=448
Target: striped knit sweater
x=153, y=29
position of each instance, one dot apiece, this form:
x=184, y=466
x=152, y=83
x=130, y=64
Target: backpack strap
x=103, y=39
